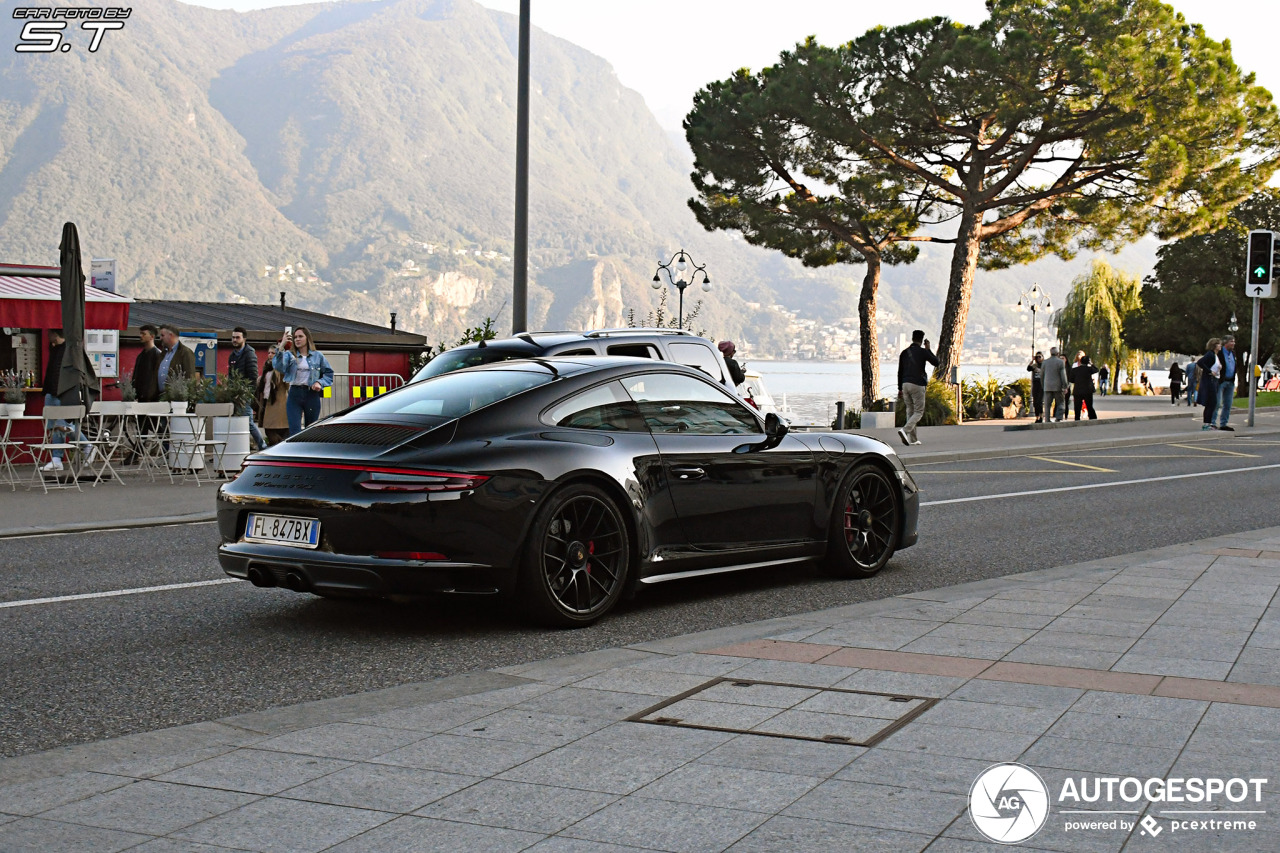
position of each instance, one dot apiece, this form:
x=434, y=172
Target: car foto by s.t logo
x=42, y=32
x=1008, y=803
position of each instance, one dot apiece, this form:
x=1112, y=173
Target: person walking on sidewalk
x=244, y=360
x=1227, y=383
x=146, y=366
x=912, y=382
x=1175, y=383
x=1193, y=376
x=1210, y=368
x=1104, y=377
x=1082, y=386
x=1036, y=367
x=1055, y=387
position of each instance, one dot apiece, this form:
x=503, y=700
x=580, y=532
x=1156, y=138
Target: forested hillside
x=360, y=156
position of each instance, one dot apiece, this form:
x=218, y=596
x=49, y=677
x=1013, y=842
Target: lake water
x=813, y=388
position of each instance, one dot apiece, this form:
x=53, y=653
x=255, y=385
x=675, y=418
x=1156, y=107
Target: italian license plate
x=282, y=530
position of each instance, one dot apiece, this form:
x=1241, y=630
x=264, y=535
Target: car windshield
x=447, y=362
x=456, y=394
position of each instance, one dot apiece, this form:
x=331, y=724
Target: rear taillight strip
x=392, y=479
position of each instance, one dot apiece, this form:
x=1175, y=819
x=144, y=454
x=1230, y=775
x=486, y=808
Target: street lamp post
x=681, y=261
x=1035, y=298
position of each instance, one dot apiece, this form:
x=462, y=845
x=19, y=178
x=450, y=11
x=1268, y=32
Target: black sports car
x=562, y=482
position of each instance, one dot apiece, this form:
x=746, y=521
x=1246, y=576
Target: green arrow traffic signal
x=1259, y=260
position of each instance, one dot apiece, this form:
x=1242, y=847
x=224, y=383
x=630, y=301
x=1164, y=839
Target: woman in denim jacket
x=306, y=373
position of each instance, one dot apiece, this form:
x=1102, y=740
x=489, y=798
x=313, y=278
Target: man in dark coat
x=912, y=382
x=244, y=361
x=146, y=368
x=176, y=357
x=736, y=372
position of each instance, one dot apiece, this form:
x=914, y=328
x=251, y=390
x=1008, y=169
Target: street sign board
x=1260, y=291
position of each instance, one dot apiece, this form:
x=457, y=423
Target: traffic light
x=1260, y=248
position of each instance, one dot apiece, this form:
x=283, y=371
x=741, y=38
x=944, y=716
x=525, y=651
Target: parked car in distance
x=563, y=482
x=674, y=345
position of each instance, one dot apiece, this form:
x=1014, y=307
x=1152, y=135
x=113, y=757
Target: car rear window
x=447, y=362
x=456, y=394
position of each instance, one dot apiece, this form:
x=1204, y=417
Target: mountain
x=360, y=156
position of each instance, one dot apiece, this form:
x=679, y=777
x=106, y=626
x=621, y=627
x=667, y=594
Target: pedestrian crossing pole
x=1259, y=269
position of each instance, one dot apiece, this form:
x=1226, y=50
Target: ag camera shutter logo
x=1008, y=803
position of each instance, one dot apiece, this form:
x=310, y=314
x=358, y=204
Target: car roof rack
x=652, y=330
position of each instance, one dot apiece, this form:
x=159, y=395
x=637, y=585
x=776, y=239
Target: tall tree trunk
x=955, y=315
x=868, y=342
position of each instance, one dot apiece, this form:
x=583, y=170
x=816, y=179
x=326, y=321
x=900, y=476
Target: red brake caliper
x=591, y=549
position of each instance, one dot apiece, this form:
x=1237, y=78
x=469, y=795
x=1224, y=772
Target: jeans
x=302, y=407
x=63, y=426
x=1226, y=393
x=253, y=427
x=1037, y=397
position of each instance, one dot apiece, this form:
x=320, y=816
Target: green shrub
x=852, y=420
x=1132, y=390
x=939, y=406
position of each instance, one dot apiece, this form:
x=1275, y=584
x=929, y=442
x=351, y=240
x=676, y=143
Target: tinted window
x=456, y=394
x=447, y=362
x=634, y=350
x=605, y=407
x=696, y=355
x=671, y=403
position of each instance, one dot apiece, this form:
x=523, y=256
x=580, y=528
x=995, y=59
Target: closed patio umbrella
x=75, y=381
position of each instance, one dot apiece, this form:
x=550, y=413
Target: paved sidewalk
x=860, y=728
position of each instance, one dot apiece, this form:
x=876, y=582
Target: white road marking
x=1099, y=485
x=113, y=593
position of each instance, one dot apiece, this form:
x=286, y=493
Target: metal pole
x=680, y=287
x=1033, y=331
x=520, y=257
x=1253, y=358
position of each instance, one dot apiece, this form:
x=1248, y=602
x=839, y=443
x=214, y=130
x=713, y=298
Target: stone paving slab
x=1153, y=664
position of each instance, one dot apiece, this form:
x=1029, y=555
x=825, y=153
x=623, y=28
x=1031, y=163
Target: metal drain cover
x=827, y=714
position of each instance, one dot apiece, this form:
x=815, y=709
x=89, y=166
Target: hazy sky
x=668, y=49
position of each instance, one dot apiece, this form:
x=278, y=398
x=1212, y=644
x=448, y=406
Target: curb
x=118, y=524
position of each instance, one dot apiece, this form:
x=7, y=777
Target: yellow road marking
x=1076, y=464
x=1216, y=450
x=1046, y=471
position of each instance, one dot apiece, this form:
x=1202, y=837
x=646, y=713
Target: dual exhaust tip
x=261, y=577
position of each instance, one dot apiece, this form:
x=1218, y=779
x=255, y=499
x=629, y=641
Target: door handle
x=685, y=472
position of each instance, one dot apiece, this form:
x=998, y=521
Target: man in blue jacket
x=912, y=382
x=1227, y=382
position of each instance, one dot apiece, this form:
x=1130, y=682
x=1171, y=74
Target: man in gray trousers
x=912, y=382
x=1055, y=387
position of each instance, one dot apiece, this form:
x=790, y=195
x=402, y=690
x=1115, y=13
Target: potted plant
x=236, y=389
x=176, y=391
x=15, y=398
x=128, y=391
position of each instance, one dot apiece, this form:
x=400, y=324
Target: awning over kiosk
x=35, y=302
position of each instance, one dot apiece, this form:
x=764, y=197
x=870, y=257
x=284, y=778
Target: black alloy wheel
x=577, y=559
x=865, y=522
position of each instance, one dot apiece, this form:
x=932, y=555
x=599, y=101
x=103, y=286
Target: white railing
x=351, y=388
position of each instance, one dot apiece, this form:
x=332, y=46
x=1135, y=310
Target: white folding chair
x=112, y=420
x=200, y=449
x=152, y=421
x=60, y=424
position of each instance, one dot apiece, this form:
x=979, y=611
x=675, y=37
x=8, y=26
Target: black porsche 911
x=562, y=482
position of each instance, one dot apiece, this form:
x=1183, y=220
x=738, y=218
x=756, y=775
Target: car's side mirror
x=775, y=429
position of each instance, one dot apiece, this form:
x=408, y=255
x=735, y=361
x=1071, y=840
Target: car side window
x=587, y=351
x=672, y=403
x=635, y=350
x=604, y=407
x=696, y=355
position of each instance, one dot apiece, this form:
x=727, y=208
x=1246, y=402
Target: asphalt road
x=85, y=670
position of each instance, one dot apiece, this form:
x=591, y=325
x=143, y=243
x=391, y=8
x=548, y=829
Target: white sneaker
x=902, y=434
x=52, y=465
x=91, y=455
